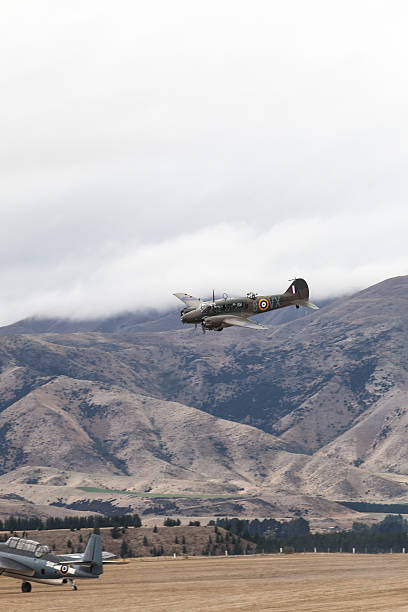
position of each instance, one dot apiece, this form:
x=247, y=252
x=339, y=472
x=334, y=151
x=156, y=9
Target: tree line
x=271, y=536
x=266, y=535
x=94, y=522
x=372, y=507
x=266, y=528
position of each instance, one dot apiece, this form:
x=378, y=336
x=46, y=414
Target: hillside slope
x=315, y=406
x=83, y=426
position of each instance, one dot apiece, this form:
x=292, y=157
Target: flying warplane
x=226, y=312
x=30, y=561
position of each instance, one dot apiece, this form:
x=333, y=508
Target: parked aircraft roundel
x=64, y=569
x=263, y=304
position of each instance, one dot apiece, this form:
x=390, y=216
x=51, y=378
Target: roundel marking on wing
x=263, y=304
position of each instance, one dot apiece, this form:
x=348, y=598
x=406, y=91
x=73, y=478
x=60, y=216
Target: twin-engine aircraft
x=226, y=312
x=29, y=562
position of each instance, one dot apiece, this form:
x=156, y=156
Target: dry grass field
x=289, y=583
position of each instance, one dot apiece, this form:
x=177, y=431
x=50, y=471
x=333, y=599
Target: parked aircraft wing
x=76, y=558
x=91, y=559
x=9, y=565
x=189, y=300
x=71, y=558
x=115, y=562
x=241, y=322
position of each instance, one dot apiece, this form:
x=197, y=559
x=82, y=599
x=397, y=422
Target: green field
x=157, y=495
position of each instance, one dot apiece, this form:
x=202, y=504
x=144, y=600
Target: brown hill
x=82, y=426
x=146, y=541
x=316, y=406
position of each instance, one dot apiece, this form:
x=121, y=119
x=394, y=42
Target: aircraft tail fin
x=299, y=289
x=93, y=554
x=189, y=300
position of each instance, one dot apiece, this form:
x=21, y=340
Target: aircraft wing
x=242, y=322
x=189, y=300
x=115, y=562
x=9, y=565
x=78, y=558
x=71, y=558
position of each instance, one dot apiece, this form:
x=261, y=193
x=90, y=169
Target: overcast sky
x=154, y=147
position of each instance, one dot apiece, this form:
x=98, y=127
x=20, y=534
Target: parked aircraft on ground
x=30, y=561
x=227, y=312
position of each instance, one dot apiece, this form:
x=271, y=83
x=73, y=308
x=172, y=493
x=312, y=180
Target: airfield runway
x=289, y=583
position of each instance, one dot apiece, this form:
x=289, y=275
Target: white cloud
x=165, y=146
x=335, y=255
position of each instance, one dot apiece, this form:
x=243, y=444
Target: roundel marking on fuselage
x=64, y=569
x=263, y=304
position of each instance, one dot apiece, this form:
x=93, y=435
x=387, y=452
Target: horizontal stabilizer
x=189, y=300
x=310, y=305
x=116, y=562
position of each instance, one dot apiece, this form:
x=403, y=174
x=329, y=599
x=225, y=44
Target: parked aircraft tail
x=93, y=555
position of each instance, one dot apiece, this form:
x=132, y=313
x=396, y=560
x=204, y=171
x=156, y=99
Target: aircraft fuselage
x=227, y=312
x=242, y=306
x=49, y=569
x=29, y=561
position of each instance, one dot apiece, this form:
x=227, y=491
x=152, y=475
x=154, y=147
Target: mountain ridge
x=317, y=406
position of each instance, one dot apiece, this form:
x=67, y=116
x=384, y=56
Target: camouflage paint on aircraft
x=227, y=312
x=29, y=561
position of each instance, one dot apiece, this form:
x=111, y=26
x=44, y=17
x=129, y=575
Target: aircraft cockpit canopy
x=28, y=546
